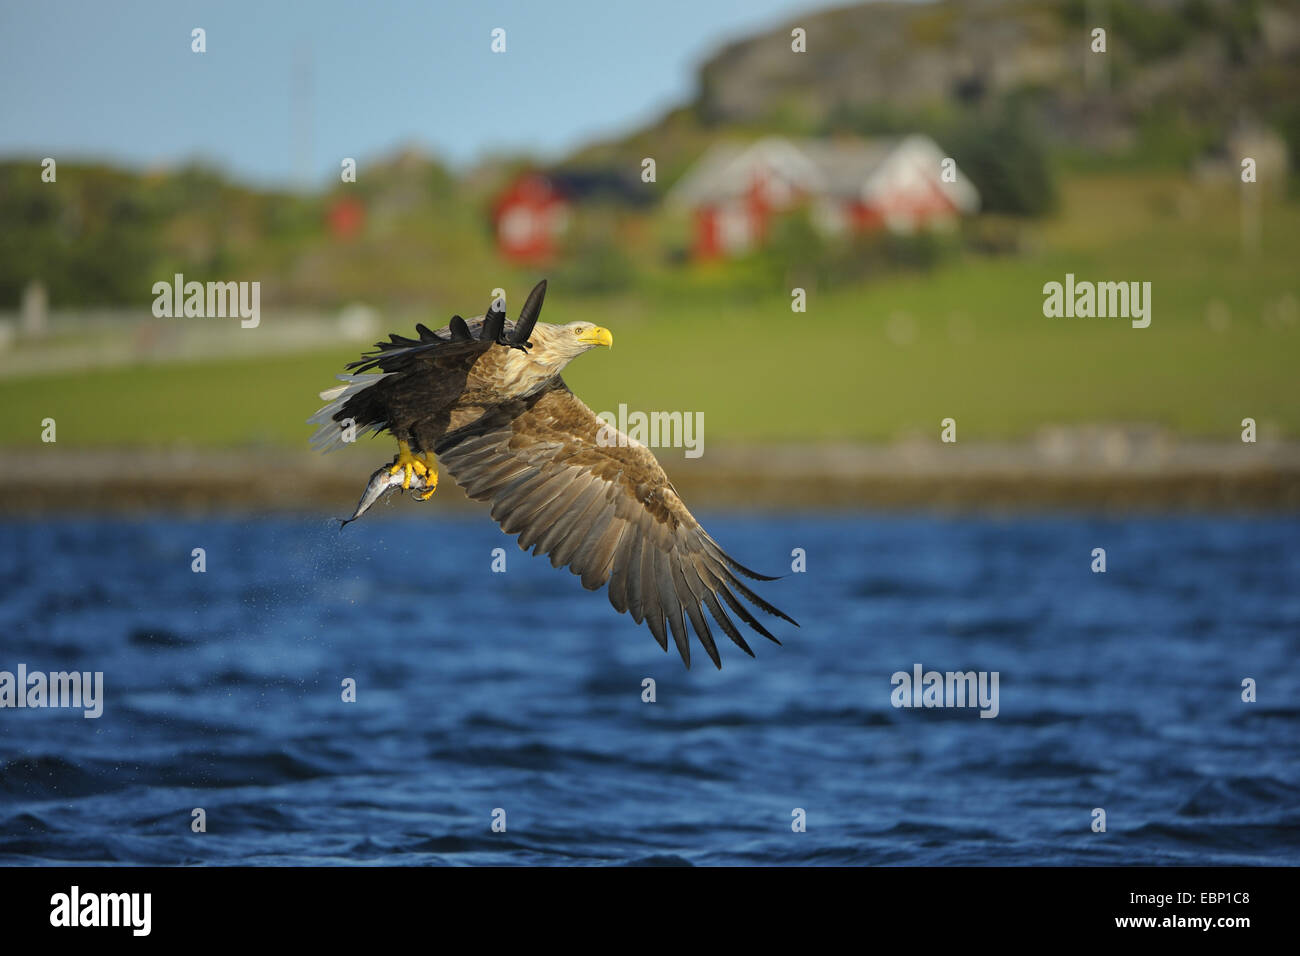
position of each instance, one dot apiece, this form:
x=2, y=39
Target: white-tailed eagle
x=485, y=397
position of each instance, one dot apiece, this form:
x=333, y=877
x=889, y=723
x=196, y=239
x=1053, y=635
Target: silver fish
x=380, y=484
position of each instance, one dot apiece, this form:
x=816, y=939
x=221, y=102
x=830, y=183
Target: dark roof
x=610, y=185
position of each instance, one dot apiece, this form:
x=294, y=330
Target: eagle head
x=557, y=345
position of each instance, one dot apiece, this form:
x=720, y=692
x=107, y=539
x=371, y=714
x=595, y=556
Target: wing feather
x=672, y=606
x=550, y=513
x=567, y=525
x=606, y=511
x=625, y=576
x=417, y=378
x=546, y=489
x=654, y=605
x=600, y=561
x=690, y=601
x=576, y=550
x=719, y=615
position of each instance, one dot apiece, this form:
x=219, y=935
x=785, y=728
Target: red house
x=852, y=186
x=346, y=217
x=529, y=218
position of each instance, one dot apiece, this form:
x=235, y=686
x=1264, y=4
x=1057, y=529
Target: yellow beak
x=597, y=336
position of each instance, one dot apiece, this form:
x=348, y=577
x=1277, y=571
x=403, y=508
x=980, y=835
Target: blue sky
x=117, y=80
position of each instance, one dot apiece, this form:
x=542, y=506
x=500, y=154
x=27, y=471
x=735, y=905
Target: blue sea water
x=521, y=691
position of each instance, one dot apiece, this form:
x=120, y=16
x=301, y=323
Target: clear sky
x=287, y=89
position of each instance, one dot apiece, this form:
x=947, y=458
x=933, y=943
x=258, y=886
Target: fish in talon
x=381, y=483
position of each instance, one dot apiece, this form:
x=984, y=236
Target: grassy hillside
x=878, y=360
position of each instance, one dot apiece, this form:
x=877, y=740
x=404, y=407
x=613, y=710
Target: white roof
x=851, y=168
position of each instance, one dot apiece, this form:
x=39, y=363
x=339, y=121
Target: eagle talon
x=411, y=464
x=430, y=483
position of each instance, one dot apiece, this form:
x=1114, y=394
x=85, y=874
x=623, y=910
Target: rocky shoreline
x=1099, y=472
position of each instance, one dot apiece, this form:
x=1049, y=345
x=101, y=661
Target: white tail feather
x=330, y=434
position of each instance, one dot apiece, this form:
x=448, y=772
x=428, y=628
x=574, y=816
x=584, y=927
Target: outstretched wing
x=558, y=477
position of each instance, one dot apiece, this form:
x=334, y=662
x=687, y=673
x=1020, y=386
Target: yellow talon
x=408, y=463
x=431, y=484
x=414, y=465
x=400, y=466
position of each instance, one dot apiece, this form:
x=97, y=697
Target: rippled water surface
x=522, y=691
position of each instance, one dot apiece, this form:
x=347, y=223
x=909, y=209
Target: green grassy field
x=882, y=360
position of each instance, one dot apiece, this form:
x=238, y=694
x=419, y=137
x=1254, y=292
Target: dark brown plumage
x=501, y=420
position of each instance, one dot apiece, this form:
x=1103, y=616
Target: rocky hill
x=1176, y=76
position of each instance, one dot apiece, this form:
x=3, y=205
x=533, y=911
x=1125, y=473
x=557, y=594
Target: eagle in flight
x=485, y=397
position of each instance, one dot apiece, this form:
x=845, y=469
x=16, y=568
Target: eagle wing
x=418, y=374
x=605, y=509
x=457, y=340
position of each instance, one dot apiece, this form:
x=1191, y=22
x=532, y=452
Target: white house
x=849, y=186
